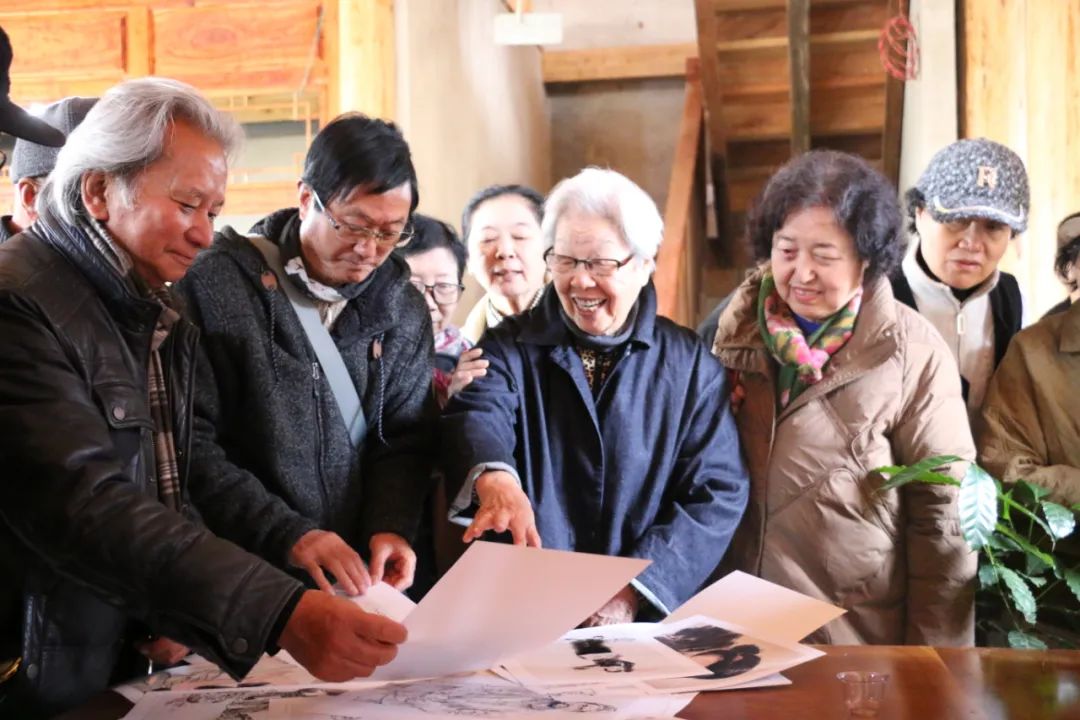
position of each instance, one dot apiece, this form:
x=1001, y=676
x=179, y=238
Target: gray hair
x=126, y=132
x=610, y=195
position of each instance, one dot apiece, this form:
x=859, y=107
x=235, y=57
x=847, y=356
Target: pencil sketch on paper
x=492, y=699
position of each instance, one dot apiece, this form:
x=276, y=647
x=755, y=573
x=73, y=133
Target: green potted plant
x=1028, y=594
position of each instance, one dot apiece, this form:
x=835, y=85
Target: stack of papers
x=496, y=638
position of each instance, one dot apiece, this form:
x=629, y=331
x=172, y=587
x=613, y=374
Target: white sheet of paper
x=500, y=600
x=382, y=599
x=611, y=654
x=475, y=696
x=765, y=609
x=201, y=674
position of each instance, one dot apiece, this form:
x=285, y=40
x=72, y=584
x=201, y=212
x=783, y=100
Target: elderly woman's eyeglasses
x=444, y=293
x=597, y=267
x=354, y=234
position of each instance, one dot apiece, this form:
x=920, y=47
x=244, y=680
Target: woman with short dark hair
x=436, y=258
x=832, y=377
x=501, y=227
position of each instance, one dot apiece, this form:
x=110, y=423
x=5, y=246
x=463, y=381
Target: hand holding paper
x=319, y=550
x=336, y=641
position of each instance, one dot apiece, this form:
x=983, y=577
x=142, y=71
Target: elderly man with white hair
x=599, y=426
x=100, y=552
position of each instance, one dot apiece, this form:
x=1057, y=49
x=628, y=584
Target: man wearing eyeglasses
x=313, y=403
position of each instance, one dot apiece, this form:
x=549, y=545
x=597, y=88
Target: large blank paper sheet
x=765, y=609
x=500, y=600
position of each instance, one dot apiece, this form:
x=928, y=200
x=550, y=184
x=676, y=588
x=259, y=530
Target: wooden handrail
x=677, y=275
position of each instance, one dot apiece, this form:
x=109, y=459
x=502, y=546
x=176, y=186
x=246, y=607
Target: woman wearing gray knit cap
x=971, y=200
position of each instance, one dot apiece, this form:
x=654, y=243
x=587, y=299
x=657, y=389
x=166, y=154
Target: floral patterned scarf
x=802, y=359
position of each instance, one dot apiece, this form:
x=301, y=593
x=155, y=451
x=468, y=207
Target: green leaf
x=988, y=576
x=922, y=471
x=1025, y=641
x=1060, y=519
x=978, y=506
x=1026, y=546
x=1072, y=579
x=1037, y=491
x=1035, y=580
x=1034, y=565
x=1020, y=592
x=1002, y=543
x=1009, y=502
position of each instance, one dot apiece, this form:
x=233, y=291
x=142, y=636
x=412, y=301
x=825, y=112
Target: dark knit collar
x=601, y=343
x=544, y=325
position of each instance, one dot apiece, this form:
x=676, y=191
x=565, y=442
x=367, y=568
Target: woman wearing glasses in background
x=436, y=258
x=600, y=427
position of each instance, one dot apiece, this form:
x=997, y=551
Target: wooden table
x=925, y=684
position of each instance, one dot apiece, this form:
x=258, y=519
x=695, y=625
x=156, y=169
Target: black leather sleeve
x=70, y=432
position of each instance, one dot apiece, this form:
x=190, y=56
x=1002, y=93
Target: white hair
x=610, y=195
x=125, y=132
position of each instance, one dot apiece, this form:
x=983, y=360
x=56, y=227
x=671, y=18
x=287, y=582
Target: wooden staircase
x=780, y=77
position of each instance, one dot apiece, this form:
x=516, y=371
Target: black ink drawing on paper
x=715, y=648
x=600, y=655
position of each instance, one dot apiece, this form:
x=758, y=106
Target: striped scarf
x=802, y=359
x=168, y=472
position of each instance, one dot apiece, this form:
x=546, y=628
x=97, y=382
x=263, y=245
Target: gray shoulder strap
x=333, y=367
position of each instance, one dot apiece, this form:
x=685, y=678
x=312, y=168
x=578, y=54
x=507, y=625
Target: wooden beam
x=138, y=43
x=617, y=63
x=366, y=66
x=768, y=43
x=675, y=287
x=712, y=85
x=798, y=12
x=892, y=136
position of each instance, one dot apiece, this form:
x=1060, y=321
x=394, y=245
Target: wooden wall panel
x=219, y=40
x=25, y=6
x=1029, y=99
x=88, y=44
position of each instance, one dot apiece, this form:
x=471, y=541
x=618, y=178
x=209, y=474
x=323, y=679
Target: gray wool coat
x=271, y=457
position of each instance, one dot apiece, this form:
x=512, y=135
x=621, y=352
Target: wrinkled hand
x=336, y=641
x=503, y=506
x=162, y=651
x=469, y=367
x=392, y=560
x=319, y=550
x=620, y=609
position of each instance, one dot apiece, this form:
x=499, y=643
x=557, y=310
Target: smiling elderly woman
x=599, y=426
x=832, y=378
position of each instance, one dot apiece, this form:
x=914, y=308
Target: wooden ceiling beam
x=798, y=14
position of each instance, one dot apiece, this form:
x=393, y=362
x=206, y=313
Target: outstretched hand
x=503, y=506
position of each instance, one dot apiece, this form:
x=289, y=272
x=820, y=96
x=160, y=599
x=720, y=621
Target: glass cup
x=863, y=692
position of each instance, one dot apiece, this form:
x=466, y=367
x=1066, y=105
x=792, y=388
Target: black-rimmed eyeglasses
x=597, y=267
x=443, y=293
x=354, y=234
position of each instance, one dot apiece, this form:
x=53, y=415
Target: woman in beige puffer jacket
x=832, y=378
